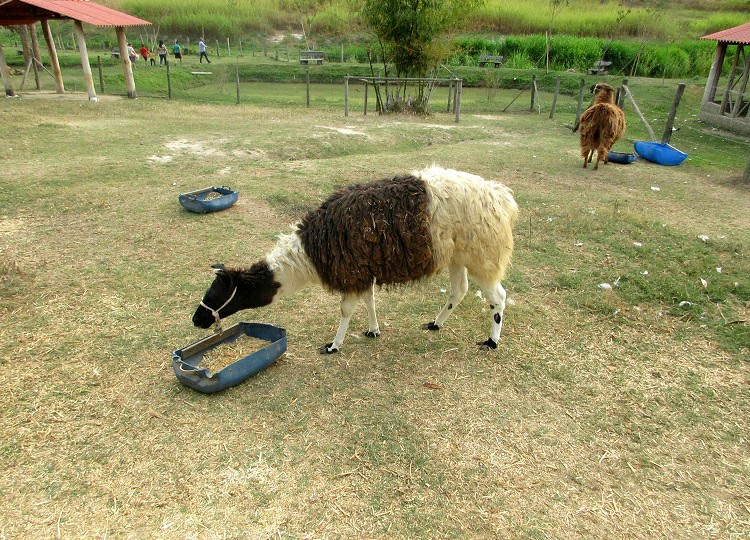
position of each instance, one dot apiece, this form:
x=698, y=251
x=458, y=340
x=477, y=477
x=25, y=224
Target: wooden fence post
x=307, y=81
x=169, y=82
x=533, y=93
x=580, y=102
x=237, y=72
x=457, y=103
x=746, y=177
x=670, y=121
x=450, y=92
x=346, y=95
x=101, y=75
x=620, y=98
x=366, y=87
x=554, y=98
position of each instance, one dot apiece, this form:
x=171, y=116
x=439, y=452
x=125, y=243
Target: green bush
x=687, y=58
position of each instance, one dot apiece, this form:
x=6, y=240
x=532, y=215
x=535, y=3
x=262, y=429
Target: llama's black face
x=234, y=290
x=216, y=297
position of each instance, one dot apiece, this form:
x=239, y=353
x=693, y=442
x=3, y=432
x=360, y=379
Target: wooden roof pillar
x=59, y=86
x=88, y=78
x=5, y=74
x=715, y=73
x=125, y=59
x=726, y=102
x=742, y=87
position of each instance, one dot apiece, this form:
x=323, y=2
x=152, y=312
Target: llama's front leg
x=368, y=298
x=459, y=288
x=348, y=304
x=496, y=296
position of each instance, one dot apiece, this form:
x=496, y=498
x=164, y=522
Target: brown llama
x=601, y=125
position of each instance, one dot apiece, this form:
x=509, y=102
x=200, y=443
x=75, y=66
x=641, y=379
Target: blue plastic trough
x=660, y=153
x=210, y=199
x=186, y=361
x=621, y=157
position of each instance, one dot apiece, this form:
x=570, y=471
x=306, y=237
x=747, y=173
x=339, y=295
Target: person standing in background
x=177, y=51
x=202, y=49
x=144, y=54
x=132, y=55
x=162, y=51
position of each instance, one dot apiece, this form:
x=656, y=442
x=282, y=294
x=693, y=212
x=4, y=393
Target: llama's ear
x=218, y=269
x=593, y=87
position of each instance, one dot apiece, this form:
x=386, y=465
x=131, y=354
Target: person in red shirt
x=144, y=54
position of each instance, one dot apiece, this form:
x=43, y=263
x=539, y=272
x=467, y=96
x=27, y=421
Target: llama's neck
x=290, y=264
x=604, y=98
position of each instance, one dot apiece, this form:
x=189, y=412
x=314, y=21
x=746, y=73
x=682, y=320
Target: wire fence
x=233, y=81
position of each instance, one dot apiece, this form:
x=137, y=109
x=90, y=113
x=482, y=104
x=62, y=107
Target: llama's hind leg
x=587, y=155
x=368, y=298
x=601, y=155
x=459, y=288
x=496, y=296
x=348, y=303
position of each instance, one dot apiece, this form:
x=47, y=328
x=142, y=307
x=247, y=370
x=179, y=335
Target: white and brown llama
x=601, y=125
x=392, y=231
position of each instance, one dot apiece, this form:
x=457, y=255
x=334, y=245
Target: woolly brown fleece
x=377, y=231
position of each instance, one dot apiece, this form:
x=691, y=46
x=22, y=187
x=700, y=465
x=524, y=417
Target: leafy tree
x=408, y=33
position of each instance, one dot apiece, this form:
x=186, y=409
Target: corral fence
x=454, y=86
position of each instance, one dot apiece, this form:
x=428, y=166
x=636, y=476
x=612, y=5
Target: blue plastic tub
x=660, y=153
x=210, y=199
x=186, y=361
x=621, y=157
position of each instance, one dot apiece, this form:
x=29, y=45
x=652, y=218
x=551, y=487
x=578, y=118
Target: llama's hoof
x=489, y=345
x=328, y=348
x=371, y=333
x=430, y=326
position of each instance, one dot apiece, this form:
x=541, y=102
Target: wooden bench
x=600, y=68
x=485, y=59
x=115, y=53
x=311, y=57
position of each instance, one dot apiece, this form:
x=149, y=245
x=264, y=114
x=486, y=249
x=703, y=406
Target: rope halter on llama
x=215, y=312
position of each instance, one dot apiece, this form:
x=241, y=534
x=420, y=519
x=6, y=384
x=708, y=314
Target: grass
x=603, y=414
x=584, y=17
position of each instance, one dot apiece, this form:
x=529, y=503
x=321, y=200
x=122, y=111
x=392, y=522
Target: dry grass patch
x=601, y=415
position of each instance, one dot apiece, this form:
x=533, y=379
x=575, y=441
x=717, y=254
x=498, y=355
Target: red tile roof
x=28, y=11
x=738, y=34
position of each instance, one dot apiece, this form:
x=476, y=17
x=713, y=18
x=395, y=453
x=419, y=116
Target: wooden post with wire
x=307, y=83
x=237, y=76
x=346, y=95
x=169, y=82
x=554, y=98
x=101, y=75
x=457, y=99
x=620, y=95
x=746, y=177
x=579, y=110
x=672, y=113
